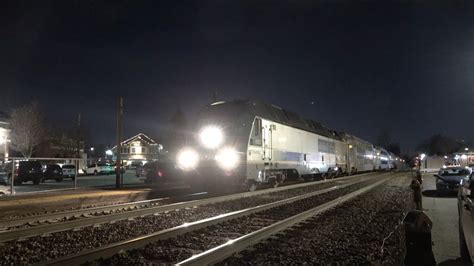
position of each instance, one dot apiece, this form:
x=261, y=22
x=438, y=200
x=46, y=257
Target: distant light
x=445, y=157
x=464, y=157
x=350, y=146
x=422, y=156
x=466, y=149
x=92, y=148
x=109, y=152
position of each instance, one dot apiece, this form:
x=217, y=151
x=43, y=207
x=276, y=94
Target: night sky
x=362, y=67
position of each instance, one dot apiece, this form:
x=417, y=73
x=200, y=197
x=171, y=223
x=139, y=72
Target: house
x=4, y=136
x=138, y=149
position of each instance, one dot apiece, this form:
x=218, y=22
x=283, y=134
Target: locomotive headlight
x=187, y=159
x=211, y=137
x=227, y=158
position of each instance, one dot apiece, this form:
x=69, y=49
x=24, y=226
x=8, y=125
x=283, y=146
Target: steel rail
x=226, y=250
x=5, y=223
x=77, y=213
x=95, y=220
x=142, y=241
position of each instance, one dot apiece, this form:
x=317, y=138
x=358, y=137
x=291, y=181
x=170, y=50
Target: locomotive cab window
x=256, y=135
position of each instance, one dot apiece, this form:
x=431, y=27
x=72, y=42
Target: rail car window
x=256, y=135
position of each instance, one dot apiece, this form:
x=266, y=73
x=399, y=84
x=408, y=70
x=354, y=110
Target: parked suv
x=99, y=168
x=69, y=170
x=53, y=171
x=466, y=218
x=28, y=171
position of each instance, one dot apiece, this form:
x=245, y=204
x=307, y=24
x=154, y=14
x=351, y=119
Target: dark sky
x=403, y=67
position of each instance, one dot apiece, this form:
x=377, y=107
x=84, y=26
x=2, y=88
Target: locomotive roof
x=283, y=116
x=346, y=136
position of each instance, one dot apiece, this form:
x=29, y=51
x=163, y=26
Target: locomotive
x=252, y=142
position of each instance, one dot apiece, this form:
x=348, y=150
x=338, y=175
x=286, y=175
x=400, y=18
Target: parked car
x=161, y=171
x=466, y=218
x=135, y=165
x=69, y=171
x=448, y=179
x=27, y=171
x=140, y=172
x=471, y=165
x=99, y=168
x=53, y=171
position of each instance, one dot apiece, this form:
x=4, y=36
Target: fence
x=22, y=175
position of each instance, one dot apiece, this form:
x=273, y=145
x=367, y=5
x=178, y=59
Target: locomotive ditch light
x=211, y=137
x=227, y=158
x=187, y=159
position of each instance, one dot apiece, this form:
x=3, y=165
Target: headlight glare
x=227, y=158
x=187, y=159
x=211, y=137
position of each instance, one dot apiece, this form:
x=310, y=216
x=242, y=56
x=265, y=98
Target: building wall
x=138, y=151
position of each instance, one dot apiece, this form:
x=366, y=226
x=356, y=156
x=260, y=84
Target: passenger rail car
x=253, y=142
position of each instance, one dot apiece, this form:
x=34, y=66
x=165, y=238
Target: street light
x=92, y=148
x=109, y=152
x=466, y=149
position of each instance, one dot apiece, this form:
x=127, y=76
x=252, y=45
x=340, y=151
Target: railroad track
x=75, y=214
x=271, y=218
x=61, y=221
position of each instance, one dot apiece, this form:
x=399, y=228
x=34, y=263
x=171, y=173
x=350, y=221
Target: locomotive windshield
x=226, y=116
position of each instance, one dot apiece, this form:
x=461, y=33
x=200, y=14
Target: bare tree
x=27, y=126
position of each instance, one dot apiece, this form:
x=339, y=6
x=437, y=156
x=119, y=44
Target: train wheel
x=274, y=183
x=252, y=186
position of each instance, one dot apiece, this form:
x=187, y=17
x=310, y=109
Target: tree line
x=28, y=129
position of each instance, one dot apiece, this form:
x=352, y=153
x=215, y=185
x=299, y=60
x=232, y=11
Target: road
x=129, y=179
x=444, y=214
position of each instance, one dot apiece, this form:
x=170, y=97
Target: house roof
x=140, y=137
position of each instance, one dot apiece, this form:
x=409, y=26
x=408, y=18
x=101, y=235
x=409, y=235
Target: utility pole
x=78, y=154
x=118, y=163
x=78, y=135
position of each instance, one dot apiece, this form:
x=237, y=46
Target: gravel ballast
x=177, y=249
x=42, y=248
x=366, y=230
